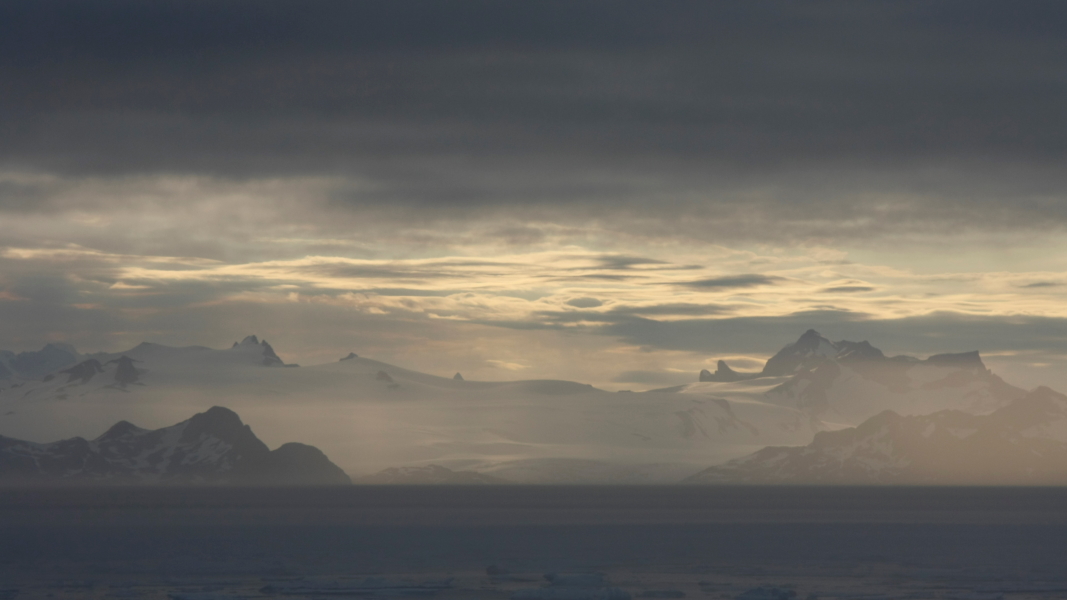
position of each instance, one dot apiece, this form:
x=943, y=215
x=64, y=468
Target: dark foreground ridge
x=213, y=448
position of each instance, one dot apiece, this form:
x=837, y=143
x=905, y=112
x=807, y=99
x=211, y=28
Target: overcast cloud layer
x=611, y=191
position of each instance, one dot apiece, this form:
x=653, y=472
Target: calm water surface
x=986, y=536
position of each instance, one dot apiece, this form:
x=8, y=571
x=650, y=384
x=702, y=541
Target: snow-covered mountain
x=807, y=353
x=213, y=447
x=35, y=364
x=143, y=364
x=1024, y=442
x=371, y=416
x=843, y=383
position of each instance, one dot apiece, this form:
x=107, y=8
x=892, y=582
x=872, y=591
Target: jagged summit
x=812, y=349
x=270, y=358
x=723, y=373
x=457, y=377
x=350, y=356
x=805, y=353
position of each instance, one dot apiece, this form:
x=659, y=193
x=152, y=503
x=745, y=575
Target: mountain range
x=371, y=416
x=1023, y=443
x=213, y=447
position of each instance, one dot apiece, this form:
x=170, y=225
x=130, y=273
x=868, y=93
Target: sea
x=534, y=542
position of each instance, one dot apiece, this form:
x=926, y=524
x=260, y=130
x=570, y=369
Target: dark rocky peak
x=457, y=377
x=812, y=349
x=350, y=356
x=120, y=430
x=224, y=424
x=83, y=371
x=250, y=340
x=270, y=359
x=810, y=340
x=125, y=372
x=724, y=373
x=808, y=350
x=217, y=417
x=962, y=360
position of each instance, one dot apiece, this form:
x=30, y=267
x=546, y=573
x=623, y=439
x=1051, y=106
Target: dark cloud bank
x=773, y=122
x=757, y=112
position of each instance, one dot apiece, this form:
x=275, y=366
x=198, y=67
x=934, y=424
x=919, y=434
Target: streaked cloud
x=592, y=189
x=746, y=280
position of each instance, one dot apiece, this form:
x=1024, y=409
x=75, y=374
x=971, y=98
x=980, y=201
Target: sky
x=617, y=192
